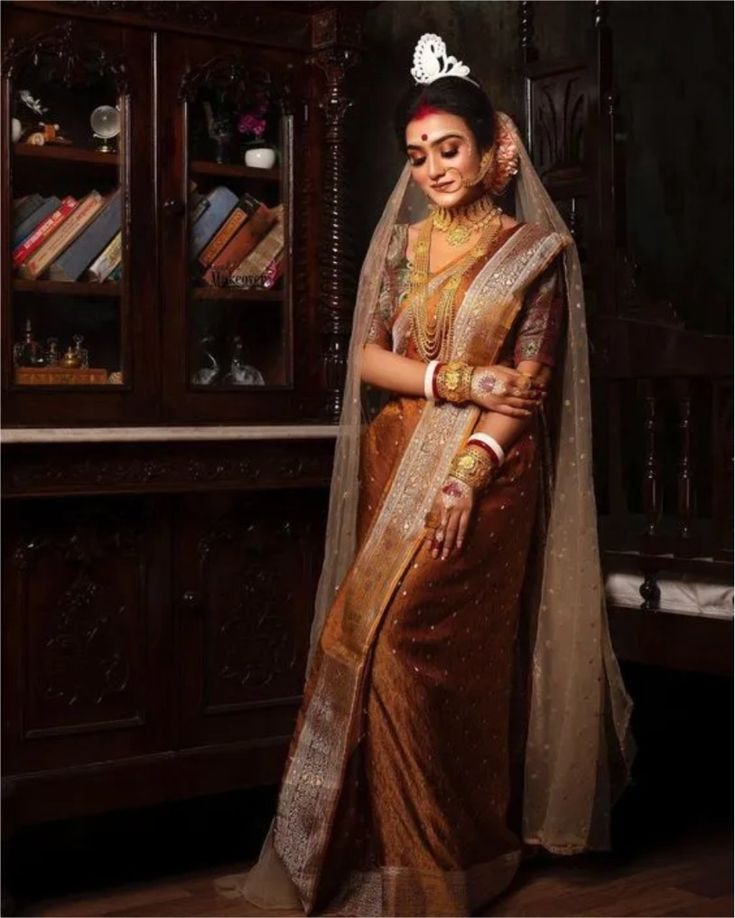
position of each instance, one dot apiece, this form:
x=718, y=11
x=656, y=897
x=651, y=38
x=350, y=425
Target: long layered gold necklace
x=434, y=337
x=458, y=223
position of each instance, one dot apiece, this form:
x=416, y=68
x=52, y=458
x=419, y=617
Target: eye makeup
x=445, y=154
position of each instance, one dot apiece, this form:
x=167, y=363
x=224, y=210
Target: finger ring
x=431, y=520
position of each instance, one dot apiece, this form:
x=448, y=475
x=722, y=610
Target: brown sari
x=400, y=792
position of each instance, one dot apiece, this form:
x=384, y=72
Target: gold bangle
x=453, y=380
x=473, y=466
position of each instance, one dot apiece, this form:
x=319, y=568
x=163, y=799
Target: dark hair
x=455, y=96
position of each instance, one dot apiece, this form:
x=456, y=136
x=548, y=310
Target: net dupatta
x=579, y=748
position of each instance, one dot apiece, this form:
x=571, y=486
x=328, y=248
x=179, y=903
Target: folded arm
x=386, y=370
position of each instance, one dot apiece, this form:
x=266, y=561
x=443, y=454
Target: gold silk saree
x=396, y=796
x=454, y=711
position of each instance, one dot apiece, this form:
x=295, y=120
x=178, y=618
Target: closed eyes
x=448, y=154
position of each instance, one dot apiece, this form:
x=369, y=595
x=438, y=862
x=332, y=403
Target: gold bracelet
x=452, y=381
x=474, y=466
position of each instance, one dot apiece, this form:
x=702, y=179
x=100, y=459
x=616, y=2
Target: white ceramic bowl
x=260, y=157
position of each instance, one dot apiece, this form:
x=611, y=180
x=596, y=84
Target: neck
x=481, y=198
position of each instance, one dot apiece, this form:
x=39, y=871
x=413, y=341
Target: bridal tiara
x=431, y=62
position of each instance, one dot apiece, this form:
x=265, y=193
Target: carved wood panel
x=245, y=584
x=84, y=590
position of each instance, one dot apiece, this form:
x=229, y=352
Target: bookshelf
x=173, y=311
x=164, y=506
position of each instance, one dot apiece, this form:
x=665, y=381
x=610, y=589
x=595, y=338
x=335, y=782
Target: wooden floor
x=691, y=875
x=672, y=838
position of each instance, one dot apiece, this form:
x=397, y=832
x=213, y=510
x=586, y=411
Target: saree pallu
x=398, y=789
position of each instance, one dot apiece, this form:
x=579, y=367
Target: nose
x=436, y=167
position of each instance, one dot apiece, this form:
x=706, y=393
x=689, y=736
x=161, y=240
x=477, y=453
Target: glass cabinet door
x=67, y=239
x=80, y=320
x=238, y=215
x=229, y=218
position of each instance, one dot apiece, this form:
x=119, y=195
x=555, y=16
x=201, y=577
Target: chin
x=449, y=200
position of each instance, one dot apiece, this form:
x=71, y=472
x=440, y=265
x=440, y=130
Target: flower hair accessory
x=506, y=158
x=431, y=62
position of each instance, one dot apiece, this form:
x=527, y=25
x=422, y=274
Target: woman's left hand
x=453, y=508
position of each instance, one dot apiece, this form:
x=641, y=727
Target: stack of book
x=235, y=241
x=68, y=239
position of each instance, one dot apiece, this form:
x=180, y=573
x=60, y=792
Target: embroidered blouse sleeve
x=542, y=317
x=380, y=327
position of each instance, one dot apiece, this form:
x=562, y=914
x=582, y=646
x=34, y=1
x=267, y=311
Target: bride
x=463, y=706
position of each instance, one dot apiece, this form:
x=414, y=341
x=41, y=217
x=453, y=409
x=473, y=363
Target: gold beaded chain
x=434, y=337
x=458, y=223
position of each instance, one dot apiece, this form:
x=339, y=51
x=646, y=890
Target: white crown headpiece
x=430, y=61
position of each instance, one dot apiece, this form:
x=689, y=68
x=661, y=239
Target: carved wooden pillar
x=684, y=481
x=652, y=484
x=336, y=249
x=529, y=53
x=603, y=159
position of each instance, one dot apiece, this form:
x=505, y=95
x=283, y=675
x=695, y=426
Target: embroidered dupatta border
x=314, y=775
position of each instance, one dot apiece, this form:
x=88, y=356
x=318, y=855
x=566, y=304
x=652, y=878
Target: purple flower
x=250, y=124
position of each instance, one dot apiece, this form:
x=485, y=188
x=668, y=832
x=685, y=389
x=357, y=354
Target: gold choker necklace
x=458, y=223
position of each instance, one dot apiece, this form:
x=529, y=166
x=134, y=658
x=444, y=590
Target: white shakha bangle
x=491, y=442
x=429, y=381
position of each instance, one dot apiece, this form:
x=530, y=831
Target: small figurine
x=81, y=352
x=47, y=134
x=33, y=104
x=52, y=352
x=241, y=373
x=205, y=376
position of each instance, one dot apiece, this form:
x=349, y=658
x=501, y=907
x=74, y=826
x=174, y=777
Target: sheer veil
x=578, y=745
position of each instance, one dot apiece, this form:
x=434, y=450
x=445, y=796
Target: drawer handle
x=192, y=600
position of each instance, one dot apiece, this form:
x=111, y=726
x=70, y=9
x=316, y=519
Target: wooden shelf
x=62, y=288
x=237, y=293
x=232, y=170
x=60, y=152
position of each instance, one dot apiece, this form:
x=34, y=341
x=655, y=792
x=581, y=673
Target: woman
x=463, y=705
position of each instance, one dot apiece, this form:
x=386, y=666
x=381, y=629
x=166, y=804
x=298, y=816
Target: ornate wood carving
x=71, y=58
x=286, y=26
x=337, y=249
x=559, y=122
x=252, y=645
x=652, y=494
x=138, y=469
x=82, y=619
x=526, y=15
x=240, y=78
x=684, y=477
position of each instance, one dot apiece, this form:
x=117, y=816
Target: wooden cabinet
x=129, y=684
x=165, y=487
x=169, y=340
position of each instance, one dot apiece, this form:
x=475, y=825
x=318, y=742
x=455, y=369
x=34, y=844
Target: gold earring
x=485, y=163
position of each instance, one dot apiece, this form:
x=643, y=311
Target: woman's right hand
x=505, y=390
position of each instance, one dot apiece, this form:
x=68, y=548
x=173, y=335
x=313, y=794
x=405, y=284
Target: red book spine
x=43, y=230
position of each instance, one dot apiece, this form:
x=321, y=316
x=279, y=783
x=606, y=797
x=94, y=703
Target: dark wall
x=673, y=78
x=673, y=67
